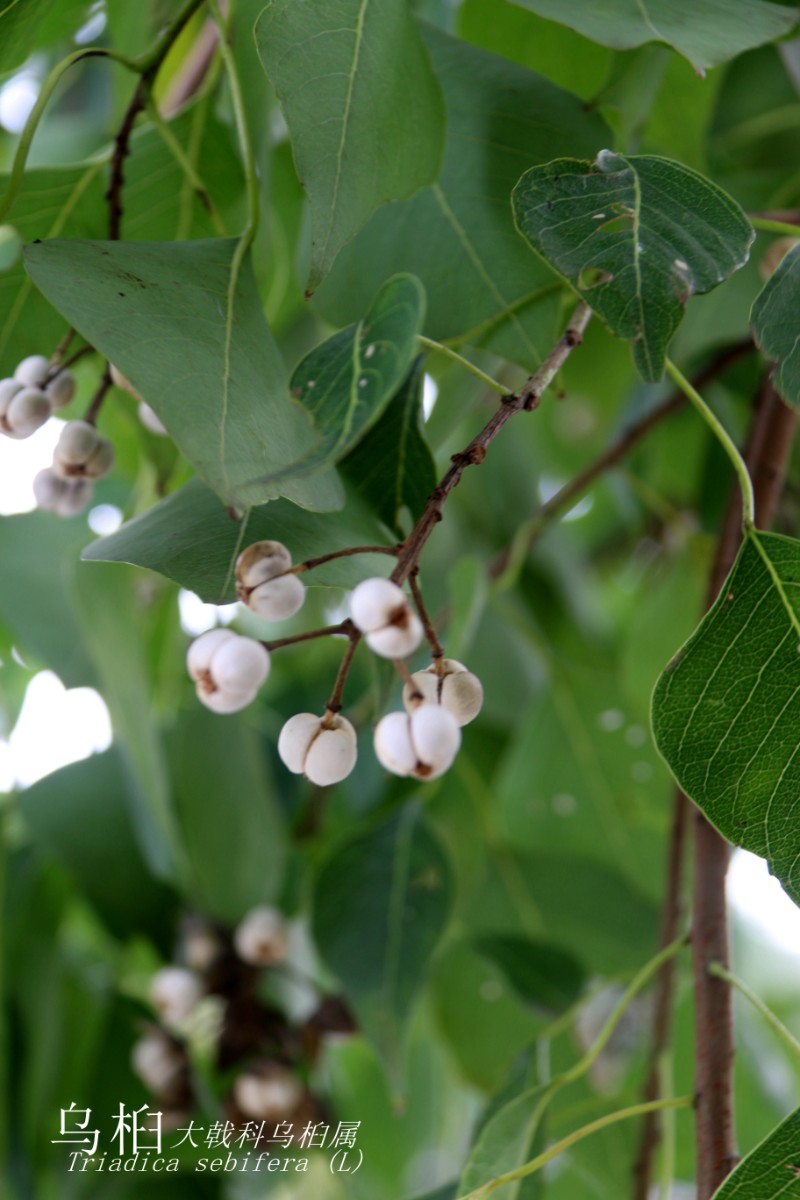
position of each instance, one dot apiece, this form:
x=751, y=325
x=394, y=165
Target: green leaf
x=19, y=21
x=769, y=1171
x=380, y=906
x=542, y=973
x=187, y=329
x=725, y=710
x=506, y=1141
x=191, y=538
x=362, y=64
x=69, y=202
x=457, y=236
x=81, y=816
x=236, y=849
x=776, y=327
x=637, y=237
x=392, y=467
x=706, y=32
x=110, y=614
x=347, y=381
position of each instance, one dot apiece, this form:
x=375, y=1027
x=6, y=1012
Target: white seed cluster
x=451, y=685
x=264, y=582
x=379, y=608
x=228, y=669
x=273, y=1093
x=157, y=1061
x=419, y=743
x=80, y=458
x=28, y=398
x=321, y=748
x=261, y=938
x=174, y=994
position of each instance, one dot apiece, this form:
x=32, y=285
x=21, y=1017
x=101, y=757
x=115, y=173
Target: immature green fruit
x=453, y=686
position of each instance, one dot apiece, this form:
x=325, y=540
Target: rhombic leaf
x=362, y=64
x=707, y=32
x=199, y=352
x=776, y=324
x=636, y=237
x=501, y=119
x=770, y=1171
x=380, y=906
x=726, y=711
x=347, y=381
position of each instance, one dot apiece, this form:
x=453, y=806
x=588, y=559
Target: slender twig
x=310, y=563
x=122, y=143
x=62, y=348
x=335, y=703
x=563, y=500
x=344, y=629
x=93, y=410
x=58, y=367
x=523, y=401
x=662, y=1009
x=720, y=972
x=535, y=1164
x=186, y=165
x=431, y=636
x=439, y=348
x=769, y=225
x=725, y=440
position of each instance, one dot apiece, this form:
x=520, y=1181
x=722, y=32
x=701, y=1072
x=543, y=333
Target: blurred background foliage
x=552, y=824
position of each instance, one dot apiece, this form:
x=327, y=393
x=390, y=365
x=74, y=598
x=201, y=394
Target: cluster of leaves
x=406, y=175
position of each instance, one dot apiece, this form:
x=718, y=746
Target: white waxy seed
x=393, y=746
x=174, y=993
x=374, y=603
x=435, y=736
x=8, y=390
x=240, y=665
x=74, y=499
x=397, y=641
x=456, y=689
x=201, y=947
x=268, y=1097
x=32, y=371
x=61, y=389
x=100, y=461
x=157, y=1061
x=260, y=938
x=77, y=441
x=260, y=562
x=151, y=420
x=224, y=702
x=27, y=412
x=332, y=755
x=295, y=738
x=201, y=651
x=125, y=385
x=277, y=599
x=48, y=489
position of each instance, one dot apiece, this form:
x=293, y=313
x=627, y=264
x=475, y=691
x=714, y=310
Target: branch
x=473, y=455
x=122, y=145
x=563, y=500
x=766, y=455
